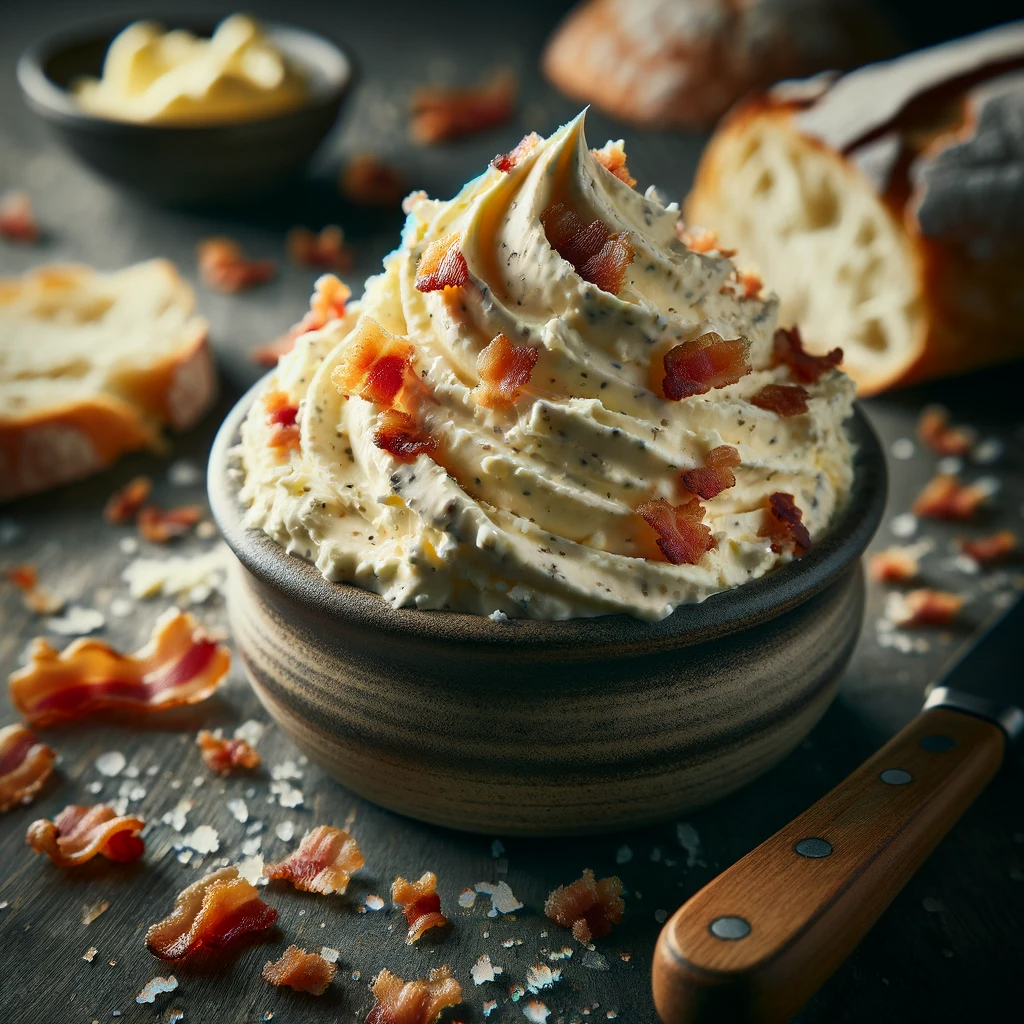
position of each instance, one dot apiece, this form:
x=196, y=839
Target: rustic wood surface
x=951, y=943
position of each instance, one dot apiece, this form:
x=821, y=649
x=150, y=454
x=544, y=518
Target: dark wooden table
x=950, y=945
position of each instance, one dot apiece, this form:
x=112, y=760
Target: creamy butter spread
x=533, y=511
x=156, y=77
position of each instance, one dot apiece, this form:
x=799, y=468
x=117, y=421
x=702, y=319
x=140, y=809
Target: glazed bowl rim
x=726, y=612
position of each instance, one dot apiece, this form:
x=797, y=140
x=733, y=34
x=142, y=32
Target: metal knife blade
x=987, y=679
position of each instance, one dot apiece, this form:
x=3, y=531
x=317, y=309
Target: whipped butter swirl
x=528, y=507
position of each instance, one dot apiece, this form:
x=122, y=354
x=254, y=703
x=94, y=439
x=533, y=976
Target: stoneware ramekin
x=542, y=728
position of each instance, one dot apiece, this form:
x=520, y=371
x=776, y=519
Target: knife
x=758, y=941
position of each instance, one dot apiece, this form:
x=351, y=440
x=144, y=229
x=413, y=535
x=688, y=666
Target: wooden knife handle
x=757, y=941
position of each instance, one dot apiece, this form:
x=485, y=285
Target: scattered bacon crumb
x=682, y=536
x=894, y=565
x=78, y=834
x=328, y=301
x=612, y=157
x=24, y=576
x=504, y=369
x=508, y=162
x=789, y=349
x=181, y=664
x=442, y=265
x=223, y=755
x=124, y=504
x=35, y=598
x=401, y=436
x=413, y=1002
x=751, y=283
x=934, y=429
x=784, y=400
x=302, y=971
x=702, y=240
x=594, y=252
x=924, y=608
x=944, y=497
x=224, y=268
x=783, y=524
x=708, y=362
x=324, y=251
x=282, y=416
x=589, y=907
x=210, y=913
x=440, y=113
x=17, y=222
x=323, y=863
x=994, y=548
x=377, y=366
x=716, y=475
x=160, y=525
x=420, y=903
x=25, y=765
x=367, y=181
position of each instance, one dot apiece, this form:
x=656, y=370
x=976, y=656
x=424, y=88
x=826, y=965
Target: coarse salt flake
x=155, y=987
x=483, y=970
x=203, y=839
x=111, y=763
x=535, y=1011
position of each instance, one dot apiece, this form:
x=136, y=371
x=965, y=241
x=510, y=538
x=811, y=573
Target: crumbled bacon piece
x=589, y=907
x=702, y=240
x=420, y=903
x=789, y=349
x=716, y=475
x=442, y=265
x=508, y=162
x=612, y=157
x=682, y=536
x=328, y=302
x=924, y=607
x=504, y=369
x=160, y=525
x=944, y=497
x=210, y=913
x=25, y=765
x=784, y=400
x=993, y=548
x=413, y=1002
x=594, y=252
x=324, y=251
x=224, y=755
x=323, y=863
x=894, y=565
x=24, y=577
x=401, y=436
x=783, y=524
x=376, y=366
x=302, y=971
x=124, y=504
x=179, y=665
x=751, y=284
x=440, y=113
x=367, y=181
x=17, y=222
x=282, y=416
x=224, y=268
x=78, y=834
x=35, y=598
x=699, y=366
x=934, y=429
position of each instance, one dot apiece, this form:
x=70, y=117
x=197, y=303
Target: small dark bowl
x=540, y=728
x=181, y=165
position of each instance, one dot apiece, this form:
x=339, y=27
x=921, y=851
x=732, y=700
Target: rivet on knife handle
x=757, y=941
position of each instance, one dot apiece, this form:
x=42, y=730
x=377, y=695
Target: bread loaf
x=93, y=365
x=885, y=207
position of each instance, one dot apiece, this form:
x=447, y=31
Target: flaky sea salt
x=285, y=831
x=90, y=913
x=483, y=970
x=76, y=621
x=330, y=954
x=94, y=787
x=203, y=839
x=564, y=953
x=178, y=815
x=904, y=525
x=503, y=900
x=287, y=795
x=467, y=898
x=902, y=448
x=111, y=763
x=251, y=846
x=156, y=987
x=239, y=810
x=541, y=976
x=251, y=868
x=286, y=770
x=251, y=731
x=184, y=473
x=131, y=791
x=950, y=465
x=374, y=902
x=535, y=1011
x=129, y=545
x=489, y=1006
x=988, y=451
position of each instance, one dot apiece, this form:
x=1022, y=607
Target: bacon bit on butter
x=420, y=903
x=25, y=765
x=323, y=863
x=413, y=1002
x=35, y=598
x=324, y=251
x=783, y=525
x=944, y=497
x=716, y=475
x=934, y=429
x=210, y=913
x=508, y=162
x=124, y=504
x=160, y=525
x=224, y=268
x=442, y=265
x=924, y=608
x=784, y=400
x=302, y=971
x=682, y=536
x=594, y=252
x=702, y=240
x=282, y=417
x=789, y=349
x=751, y=284
x=994, y=548
x=377, y=366
x=612, y=157
x=223, y=755
x=400, y=435
x=504, y=369
x=367, y=181
x=589, y=907
x=441, y=113
x=17, y=222
x=328, y=301
x=78, y=834
x=894, y=565
x=708, y=362
x=179, y=665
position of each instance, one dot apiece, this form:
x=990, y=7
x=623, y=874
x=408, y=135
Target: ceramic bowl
x=181, y=165
x=540, y=728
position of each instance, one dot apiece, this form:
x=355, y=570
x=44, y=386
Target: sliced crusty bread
x=93, y=365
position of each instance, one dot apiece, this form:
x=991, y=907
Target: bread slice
x=93, y=365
